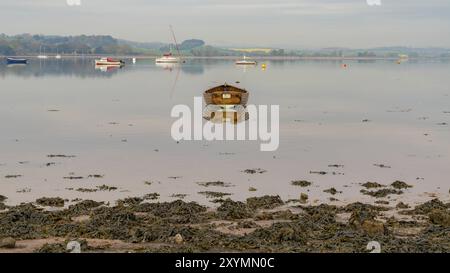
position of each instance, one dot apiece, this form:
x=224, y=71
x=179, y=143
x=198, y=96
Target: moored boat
x=246, y=61
x=167, y=58
x=226, y=95
x=10, y=60
x=109, y=62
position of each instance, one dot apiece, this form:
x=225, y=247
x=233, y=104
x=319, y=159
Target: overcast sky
x=276, y=23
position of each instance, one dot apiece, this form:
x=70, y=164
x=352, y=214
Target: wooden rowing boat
x=226, y=95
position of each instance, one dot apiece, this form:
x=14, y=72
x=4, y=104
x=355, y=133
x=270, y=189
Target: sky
x=246, y=23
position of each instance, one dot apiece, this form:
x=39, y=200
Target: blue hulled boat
x=16, y=61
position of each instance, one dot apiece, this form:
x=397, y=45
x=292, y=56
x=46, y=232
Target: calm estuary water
x=377, y=121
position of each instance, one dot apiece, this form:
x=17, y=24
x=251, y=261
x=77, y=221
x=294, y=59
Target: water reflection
x=108, y=68
x=219, y=114
x=168, y=66
x=86, y=68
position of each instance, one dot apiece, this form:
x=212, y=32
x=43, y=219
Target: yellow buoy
x=263, y=66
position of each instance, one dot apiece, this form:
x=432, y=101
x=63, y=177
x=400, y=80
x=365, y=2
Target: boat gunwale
x=219, y=89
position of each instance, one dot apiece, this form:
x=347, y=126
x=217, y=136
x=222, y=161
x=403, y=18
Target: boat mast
x=175, y=40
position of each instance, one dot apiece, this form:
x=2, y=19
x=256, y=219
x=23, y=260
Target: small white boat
x=42, y=55
x=107, y=68
x=167, y=59
x=109, y=62
x=57, y=56
x=245, y=61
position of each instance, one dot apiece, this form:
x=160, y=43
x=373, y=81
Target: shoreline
x=260, y=224
x=269, y=58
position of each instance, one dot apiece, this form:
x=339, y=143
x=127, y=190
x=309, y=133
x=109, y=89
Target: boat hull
x=108, y=63
x=246, y=63
x=226, y=95
x=16, y=61
x=167, y=60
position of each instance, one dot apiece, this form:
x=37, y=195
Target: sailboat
x=245, y=61
x=42, y=56
x=57, y=56
x=168, y=57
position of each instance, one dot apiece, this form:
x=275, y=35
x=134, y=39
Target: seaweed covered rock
x=52, y=248
x=322, y=214
x=440, y=217
x=372, y=185
x=373, y=227
x=364, y=219
x=428, y=207
x=265, y=202
x=400, y=185
x=2, y=198
x=130, y=201
x=7, y=243
x=50, y=202
x=63, y=247
x=382, y=193
x=230, y=210
x=301, y=183
x=178, y=211
x=280, y=232
x=27, y=222
x=83, y=207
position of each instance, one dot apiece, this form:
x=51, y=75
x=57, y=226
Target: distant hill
x=28, y=44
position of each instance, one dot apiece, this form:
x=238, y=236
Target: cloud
x=269, y=22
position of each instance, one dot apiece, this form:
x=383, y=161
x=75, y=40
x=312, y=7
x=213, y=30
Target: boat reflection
x=107, y=68
x=225, y=114
x=168, y=66
x=16, y=65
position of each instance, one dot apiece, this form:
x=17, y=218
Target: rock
x=382, y=193
x=264, y=202
x=440, y=218
x=50, y=202
x=402, y=205
x=373, y=227
x=303, y=198
x=371, y=185
x=8, y=243
x=400, y=185
x=2, y=198
x=178, y=239
x=301, y=183
x=230, y=210
x=429, y=206
x=332, y=191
